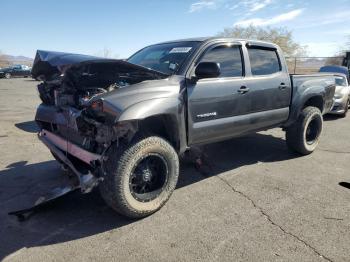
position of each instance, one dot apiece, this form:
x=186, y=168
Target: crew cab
x=121, y=125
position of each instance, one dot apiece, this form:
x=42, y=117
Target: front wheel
x=304, y=135
x=140, y=177
x=7, y=75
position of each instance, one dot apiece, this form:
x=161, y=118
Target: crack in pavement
x=334, y=218
x=263, y=212
x=333, y=151
x=271, y=221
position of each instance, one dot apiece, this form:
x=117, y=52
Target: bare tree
x=336, y=60
x=279, y=36
x=107, y=52
x=339, y=56
x=347, y=44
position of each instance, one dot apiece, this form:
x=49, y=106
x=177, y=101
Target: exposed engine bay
x=81, y=82
x=70, y=93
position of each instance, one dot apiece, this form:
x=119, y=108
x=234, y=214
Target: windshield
x=340, y=81
x=165, y=58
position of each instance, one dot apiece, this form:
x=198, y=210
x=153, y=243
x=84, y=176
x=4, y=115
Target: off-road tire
x=121, y=160
x=296, y=137
x=346, y=109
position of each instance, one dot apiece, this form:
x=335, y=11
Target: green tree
x=279, y=36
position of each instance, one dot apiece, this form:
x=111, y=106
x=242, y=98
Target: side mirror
x=207, y=70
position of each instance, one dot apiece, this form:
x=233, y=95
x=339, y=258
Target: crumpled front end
x=76, y=124
x=74, y=117
x=78, y=141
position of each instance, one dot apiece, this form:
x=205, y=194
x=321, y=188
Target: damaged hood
x=48, y=64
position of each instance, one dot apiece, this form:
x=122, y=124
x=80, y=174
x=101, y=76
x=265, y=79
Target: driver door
x=213, y=103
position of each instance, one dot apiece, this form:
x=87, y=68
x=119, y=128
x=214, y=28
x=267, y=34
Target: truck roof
x=209, y=39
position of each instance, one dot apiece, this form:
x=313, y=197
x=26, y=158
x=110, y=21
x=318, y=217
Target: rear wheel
x=303, y=136
x=7, y=75
x=140, y=177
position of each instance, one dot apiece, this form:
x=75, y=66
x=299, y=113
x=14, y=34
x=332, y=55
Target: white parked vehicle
x=342, y=92
x=341, y=96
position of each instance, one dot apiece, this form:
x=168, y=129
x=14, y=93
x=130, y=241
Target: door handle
x=243, y=90
x=282, y=86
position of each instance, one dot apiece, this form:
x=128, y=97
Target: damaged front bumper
x=58, y=145
x=64, y=151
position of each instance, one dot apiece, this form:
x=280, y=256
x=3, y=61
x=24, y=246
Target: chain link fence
x=308, y=65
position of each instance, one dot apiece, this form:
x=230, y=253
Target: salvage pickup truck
x=122, y=124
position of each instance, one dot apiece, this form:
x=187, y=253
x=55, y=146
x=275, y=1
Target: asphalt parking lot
x=258, y=202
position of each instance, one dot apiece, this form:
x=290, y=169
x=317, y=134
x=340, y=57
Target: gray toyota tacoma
x=121, y=125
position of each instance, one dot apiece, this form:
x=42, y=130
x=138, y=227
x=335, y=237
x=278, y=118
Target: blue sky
x=89, y=27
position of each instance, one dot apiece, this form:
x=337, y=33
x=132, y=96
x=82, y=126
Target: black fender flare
x=172, y=107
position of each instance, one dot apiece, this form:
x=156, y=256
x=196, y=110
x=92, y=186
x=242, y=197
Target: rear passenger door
x=269, y=84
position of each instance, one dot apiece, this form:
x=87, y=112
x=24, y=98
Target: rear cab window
x=264, y=61
x=229, y=57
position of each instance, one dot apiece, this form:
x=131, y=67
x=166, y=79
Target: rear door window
x=264, y=61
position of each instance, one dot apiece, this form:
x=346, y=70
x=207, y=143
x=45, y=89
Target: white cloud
x=247, y=5
x=235, y=6
x=270, y=21
x=336, y=17
x=198, y=6
x=322, y=48
x=257, y=5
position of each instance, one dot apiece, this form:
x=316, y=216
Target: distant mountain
x=6, y=60
x=16, y=58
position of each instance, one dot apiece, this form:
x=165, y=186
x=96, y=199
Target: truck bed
x=302, y=85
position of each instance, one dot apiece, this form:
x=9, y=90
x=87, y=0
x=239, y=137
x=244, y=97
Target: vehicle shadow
x=331, y=117
x=232, y=154
x=345, y=184
x=28, y=126
x=76, y=216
